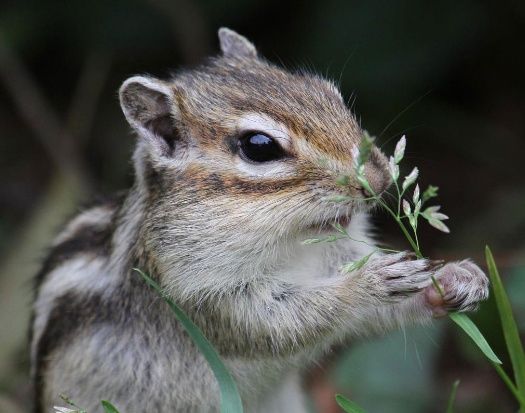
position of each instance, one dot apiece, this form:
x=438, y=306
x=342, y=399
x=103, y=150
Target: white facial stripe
x=262, y=170
x=265, y=124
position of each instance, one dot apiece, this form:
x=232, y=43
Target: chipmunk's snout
x=376, y=172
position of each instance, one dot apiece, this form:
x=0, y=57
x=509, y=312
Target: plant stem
x=398, y=198
x=413, y=244
x=396, y=217
x=506, y=379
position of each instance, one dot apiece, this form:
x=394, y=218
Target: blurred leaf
x=230, y=398
x=473, y=332
x=347, y=405
x=510, y=329
x=430, y=192
x=108, y=407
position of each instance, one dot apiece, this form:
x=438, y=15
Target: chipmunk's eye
x=258, y=147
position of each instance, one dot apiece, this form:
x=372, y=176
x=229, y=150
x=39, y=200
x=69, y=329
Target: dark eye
x=258, y=147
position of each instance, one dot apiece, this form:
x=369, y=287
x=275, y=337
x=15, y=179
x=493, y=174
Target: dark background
x=449, y=74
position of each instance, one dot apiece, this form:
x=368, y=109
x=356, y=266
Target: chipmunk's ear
x=150, y=108
x=235, y=45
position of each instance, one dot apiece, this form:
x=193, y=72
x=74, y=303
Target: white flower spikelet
x=436, y=223
x=406, y=208
x=393, y=168
x=438, y=215
x=399, y=152
x=415, y=198
x=410, y=178
x=431, y=209
x=417, y=208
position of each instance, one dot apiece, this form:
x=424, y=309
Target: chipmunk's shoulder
x=88, y=232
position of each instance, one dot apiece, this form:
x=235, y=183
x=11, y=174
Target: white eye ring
x=258, y=122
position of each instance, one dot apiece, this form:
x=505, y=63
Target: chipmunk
x=233, y=164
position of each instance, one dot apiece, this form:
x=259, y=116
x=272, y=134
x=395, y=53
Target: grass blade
x=510, y=329
x=108, y=407
x=230, y=398
x=473, y=332
x=347, y=405
x=452, y=398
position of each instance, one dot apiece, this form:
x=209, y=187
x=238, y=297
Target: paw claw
x=464, y=286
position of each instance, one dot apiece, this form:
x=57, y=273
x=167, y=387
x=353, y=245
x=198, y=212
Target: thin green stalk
x=398, y=198
x=396, y=217
x=413, y=244
x=415, y=235
x=452, y=398
x=339, y=228
x=510, y=385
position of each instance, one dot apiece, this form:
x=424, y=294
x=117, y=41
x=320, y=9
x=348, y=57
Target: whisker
x=407, y=108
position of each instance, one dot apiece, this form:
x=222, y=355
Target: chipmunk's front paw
x=395, y=277
x=464, y=285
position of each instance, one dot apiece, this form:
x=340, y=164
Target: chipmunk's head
x=241, y=145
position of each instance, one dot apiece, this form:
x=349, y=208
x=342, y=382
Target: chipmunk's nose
x=376, y=172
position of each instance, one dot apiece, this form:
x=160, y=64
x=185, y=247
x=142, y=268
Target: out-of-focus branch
x=89, y=88
x=63, y=141
x=33, y=107
x=189, y=27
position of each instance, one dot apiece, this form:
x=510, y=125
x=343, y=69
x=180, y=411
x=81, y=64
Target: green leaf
x=473, y=332
x=347, y=405
x=230, y=398
x=452, y=398
x=108, y=407
x=510, y=329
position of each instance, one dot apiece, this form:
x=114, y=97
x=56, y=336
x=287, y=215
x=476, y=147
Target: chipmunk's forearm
x=282, y=322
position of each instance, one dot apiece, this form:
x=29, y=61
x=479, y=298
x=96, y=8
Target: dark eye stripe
x=258, y=147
